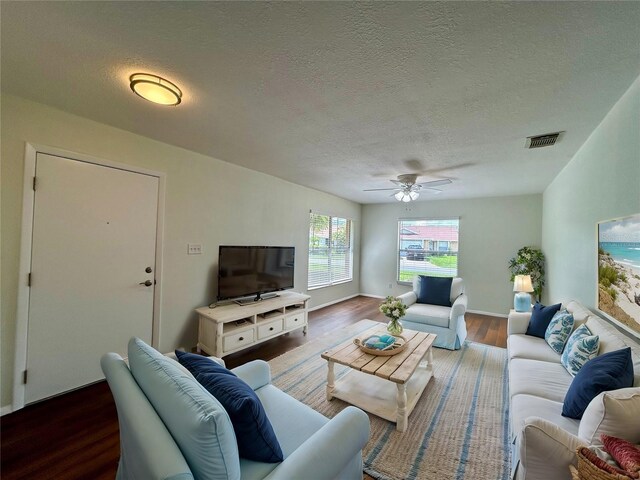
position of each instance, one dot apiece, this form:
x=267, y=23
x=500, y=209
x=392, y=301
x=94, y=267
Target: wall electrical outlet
x=390, y=285
x=194, y=249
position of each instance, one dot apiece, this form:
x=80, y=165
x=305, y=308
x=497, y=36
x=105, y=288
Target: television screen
x=619, y=271
x=244, y=271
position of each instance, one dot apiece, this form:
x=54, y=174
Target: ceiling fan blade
x=435, y=191
x=435, y=183
x=379, y=189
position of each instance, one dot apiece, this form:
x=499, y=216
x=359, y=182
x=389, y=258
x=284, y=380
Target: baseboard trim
x=6, y=410
x=480, y=312
x=371, y=295
x=318, y=307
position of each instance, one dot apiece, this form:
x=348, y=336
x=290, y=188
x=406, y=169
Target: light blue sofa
x=172, y=428
x=446, y=322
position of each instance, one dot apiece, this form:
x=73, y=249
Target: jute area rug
x=457, y=430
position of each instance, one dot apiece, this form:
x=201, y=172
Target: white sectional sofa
x=544, y=442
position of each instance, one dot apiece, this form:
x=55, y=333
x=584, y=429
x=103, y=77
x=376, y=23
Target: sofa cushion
x=609, y=371
x=581, y=347
x=435, y=290
x=615, y=413
x=612, y=339
x=292, y=421
x=255, y=436
x=524, y=406
x=541, y=379
x=197, y=422
x=580, y=312
x=428, y=315
x=540, y=318
x=533, y=348
x=558, y=331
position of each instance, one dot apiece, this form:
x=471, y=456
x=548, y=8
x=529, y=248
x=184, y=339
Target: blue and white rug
x=457, y=430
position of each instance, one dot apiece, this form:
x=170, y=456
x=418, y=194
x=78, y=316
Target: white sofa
x=544, y=442
x=446, y=322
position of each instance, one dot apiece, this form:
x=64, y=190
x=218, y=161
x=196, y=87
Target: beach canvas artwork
x=619, y=270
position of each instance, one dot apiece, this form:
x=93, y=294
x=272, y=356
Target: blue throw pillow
x=609, y=371
x=581, y=347
x=558, y=331
x=540, y=318
x=255, y=436
x=435, y=290
x=200, y=364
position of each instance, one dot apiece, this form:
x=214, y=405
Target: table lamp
x=522, y=299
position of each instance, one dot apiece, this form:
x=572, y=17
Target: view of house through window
x=330, y=252
x=427, y=247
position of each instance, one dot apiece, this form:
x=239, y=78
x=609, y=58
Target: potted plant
x=529, y=261
x=393, y=309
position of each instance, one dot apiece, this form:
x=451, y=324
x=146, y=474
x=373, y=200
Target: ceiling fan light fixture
x=414, y=195
x=155, y=89
x=399, y=196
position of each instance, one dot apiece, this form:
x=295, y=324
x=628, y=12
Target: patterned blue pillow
x=559, y=330
x=581, y=347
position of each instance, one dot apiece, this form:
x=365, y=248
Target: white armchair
x=446, y=322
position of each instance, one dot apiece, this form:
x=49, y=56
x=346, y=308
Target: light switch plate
x=194, y=249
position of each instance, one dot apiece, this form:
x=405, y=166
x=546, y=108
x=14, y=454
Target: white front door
x=94, y=243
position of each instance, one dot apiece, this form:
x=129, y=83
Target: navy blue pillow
x=200, y=364
x=255, y=436
x=609, y=371
x=540, y=318
x=435, y=290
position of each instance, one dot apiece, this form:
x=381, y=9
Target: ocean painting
x=619, y=270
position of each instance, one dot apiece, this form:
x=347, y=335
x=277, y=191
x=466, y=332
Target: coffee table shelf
x=386, y=386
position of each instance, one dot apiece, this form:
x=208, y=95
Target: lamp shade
x=522, y=283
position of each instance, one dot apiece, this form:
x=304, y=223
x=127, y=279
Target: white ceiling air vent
x=545, y=140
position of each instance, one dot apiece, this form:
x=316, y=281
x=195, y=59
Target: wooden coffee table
x=386, y=386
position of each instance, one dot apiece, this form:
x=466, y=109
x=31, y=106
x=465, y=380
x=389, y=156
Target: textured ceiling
x=340, y=96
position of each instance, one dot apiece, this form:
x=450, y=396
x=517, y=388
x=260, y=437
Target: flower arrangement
x=394, y=309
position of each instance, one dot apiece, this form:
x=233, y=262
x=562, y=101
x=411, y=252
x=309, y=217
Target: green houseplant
x=529, y=261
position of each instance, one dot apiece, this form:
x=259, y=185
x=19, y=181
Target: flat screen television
x=245, y=271
x=618, y=295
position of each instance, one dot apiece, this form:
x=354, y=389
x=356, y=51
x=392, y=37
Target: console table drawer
x=231, y=342
x=293, y=321
x=270, y=328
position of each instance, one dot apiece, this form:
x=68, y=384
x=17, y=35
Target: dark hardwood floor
x=75, y=435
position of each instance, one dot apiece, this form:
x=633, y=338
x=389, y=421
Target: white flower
x=396, y=313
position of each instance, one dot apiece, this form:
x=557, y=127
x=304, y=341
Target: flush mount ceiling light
x=155, y=89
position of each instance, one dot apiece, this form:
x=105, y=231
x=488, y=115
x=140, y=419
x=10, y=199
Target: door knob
x=147, y=283
x=148, y=270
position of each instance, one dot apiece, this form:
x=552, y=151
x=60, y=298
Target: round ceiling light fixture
x=155, y=89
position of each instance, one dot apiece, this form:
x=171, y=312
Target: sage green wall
x=602, y=181
x=207, y=201
x=491, y=232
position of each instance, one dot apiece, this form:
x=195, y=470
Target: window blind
x=330, y=252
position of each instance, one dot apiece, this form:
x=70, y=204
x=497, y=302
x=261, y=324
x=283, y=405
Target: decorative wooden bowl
x=399, y=345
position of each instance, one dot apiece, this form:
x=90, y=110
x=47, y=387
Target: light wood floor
x=75, y=436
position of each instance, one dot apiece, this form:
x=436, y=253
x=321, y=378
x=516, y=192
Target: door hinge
x=24, y=377
x=34, y=184
x=29, y=279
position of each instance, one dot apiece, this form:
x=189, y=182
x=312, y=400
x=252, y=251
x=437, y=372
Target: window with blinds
x=427, y=247
x=330, y=250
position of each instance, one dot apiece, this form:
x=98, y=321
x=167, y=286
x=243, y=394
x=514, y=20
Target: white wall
x=491, y=232
x=208, y=201
x=602, y=181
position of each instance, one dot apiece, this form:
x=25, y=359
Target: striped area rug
x=457, y=430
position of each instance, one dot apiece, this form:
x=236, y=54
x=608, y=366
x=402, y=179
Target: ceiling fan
x=407, y=189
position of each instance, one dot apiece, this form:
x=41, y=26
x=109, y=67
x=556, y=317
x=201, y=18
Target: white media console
x=230, y=328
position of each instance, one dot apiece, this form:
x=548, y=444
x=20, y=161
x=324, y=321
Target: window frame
x=399, y=242
x=330, y=247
